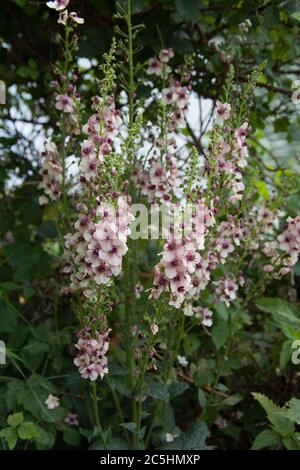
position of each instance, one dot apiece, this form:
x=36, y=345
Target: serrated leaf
x=293, y=412
x=281, y=424
x=266, y=438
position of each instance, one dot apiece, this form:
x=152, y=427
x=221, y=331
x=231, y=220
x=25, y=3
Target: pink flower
x=64, y=103
x=224, y=247
x=63, y=17
x=222, y=111
x=165, y=55
x=72, y=419
x=58, y=5
x=241, y=134
x=205, y=315
x=172, y=250
x=226, y=289
x=88, y=148
x=154, y=67
x=91, y=357
x=51, y=172
x=191, y=259
x=75, y=18
x=102, y=273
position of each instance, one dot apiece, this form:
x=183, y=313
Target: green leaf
x=156, y=389
x=10, y=436
x=188, y=9
x=193, y=439
x=72, y=437
x=266, y=438
x=202, y=399
x=32, y=395
x=232, y=400
x=15, y=420
x=281, y=424
x=277, y=306
x=285, y=353
x=45, y=439
x=220, y=334
x=263, y=189
x=23, y=71
x=8, y=316
x=293, y=412
x=296, y=16
x=28, y=430
x=290, y=443
x=132, y=427
x=177, y=388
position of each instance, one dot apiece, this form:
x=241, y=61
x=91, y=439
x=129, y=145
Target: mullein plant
x=200, y=262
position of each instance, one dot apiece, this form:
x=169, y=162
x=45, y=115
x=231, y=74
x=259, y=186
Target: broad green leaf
x=285, y=353
x=193, y=439
x=220, y=334
x=28, y=430
x=45, y=439
x=232, y=400
x=291, y=444
x=132, y=427
x=277, y=306
x=188, y=10
x=177, y=388
x=8, y=318
x=15, y=420
x=266, y=438
x=202, y=399
x=72, y=437
x=10, y=436
x=281, y=424
x=156, y=389
x=296, y=16
x=293, y=412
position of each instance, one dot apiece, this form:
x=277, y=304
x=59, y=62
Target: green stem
x=96, y=413
x=119, y=409
x=130, y=64
x=129, y=349
x=167, y=366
